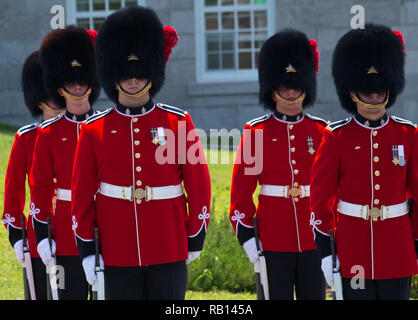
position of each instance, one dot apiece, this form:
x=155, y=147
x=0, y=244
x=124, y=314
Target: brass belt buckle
x=294, y=192
x=138, y=194
x=374, y=213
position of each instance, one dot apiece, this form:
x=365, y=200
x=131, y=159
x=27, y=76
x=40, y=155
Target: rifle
x=337, y=287
x=260, y=269
x=98, y=287
x=52, y=290
x=28, y=282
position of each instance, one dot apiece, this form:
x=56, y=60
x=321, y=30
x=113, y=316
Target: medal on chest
x=309, y=141
x=398, y=155
x=158, y=136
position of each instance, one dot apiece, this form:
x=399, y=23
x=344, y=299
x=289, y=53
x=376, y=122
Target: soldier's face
x=289, y=93
x=372, y=98
x=76, y=89
x=133, y=85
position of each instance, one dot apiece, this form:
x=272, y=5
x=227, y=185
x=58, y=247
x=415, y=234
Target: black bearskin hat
x=32, y=84
x=288, y=59
x=369, y=60
x=132, y=43
x=67, y=56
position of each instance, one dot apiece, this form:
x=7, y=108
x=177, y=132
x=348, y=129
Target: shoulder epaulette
x=28, y=128
x=338, y=124
x=403, y=121
x=259, y=119
x=172, y=109
x=98, y=115
x=318, y=119
x=50, y=121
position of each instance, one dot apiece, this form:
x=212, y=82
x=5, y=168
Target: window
x=91, y=14
x=229, y=36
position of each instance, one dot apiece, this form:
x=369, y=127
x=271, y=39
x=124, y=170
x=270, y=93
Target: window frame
x=206, y=76
x=72, y=14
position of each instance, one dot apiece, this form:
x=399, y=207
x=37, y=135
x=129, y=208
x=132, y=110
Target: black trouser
x=39, y=278
x=387, y=289
x=295, y=270
x=75, y=283
x=156, y=282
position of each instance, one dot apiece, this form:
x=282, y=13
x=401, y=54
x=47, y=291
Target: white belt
x=63, y=194
x=149, y=193
x=285, y=191
x=365, y=212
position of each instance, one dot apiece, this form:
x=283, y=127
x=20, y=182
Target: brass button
x=376, y=159
x=296, y=184
x=374, y=133
x=135, y=119
x=293, y=149
x=377, y=173
x=376, y=145
x=138, y=169
x=136, y=130
x=293, y=161
x=138, y=201
x=292, y=137
x=377, y=187
x=55, y=180
x=296, y=199
x=137, y=142
x=376, y=201
x=137, y=155
x=290, y=126
x=139, y=183
x=296, y=171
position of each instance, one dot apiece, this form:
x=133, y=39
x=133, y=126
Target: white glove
x=89, y=266
x=250, y=248
x=192, y=255
x=44, y=250
x=326, y=266
x=19, y=251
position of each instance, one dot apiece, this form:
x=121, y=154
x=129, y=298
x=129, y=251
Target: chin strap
x=382, y=105
x=285, y=101
x=44, y=106
x=140, y=93
x=73, y=97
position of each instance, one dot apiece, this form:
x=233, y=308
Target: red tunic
x=354, y=164
x=19, y=166
x=118, y=149
x=52, y=168
x=283, y=223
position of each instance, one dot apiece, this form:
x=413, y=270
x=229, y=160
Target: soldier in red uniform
x=131, y=165
x=20, y=162
x=366, y=169
x=71, y=80
x=287, y=73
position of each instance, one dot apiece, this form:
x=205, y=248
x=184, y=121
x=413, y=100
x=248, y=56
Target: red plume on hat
x=170, y=41
x=315, y=53
x=400, y=36
x=93, y=35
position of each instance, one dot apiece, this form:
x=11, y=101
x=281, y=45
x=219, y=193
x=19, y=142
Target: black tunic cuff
x=244, y=233
x=14, y=235
x=85, y=248
x=41, y=230
x=323, y=243
x=196, y=243
x=416, y=247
